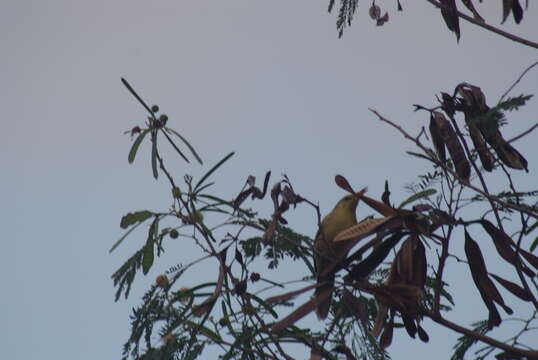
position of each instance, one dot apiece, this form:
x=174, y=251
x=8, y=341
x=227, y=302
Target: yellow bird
x=326, y=252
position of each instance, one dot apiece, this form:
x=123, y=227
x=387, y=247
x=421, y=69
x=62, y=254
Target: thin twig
x=488, y=27
x=528, y=131
x=481, y=337
x=517, y=81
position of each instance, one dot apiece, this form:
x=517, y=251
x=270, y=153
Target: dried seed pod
x=469, y=5
x=449, y=11
x=372, y=261
x=463, y=168
x=474, y=106
x=420, y=265
x=486, y=158
x=422, y=334
x=514, y=288
x=386, y=337
x=501, y=240
x=437, y=139
x=506, y=152
x=409, y=324
x=485, y=286
x=362, y=229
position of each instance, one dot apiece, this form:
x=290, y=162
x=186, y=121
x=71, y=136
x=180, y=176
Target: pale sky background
x=267, y=79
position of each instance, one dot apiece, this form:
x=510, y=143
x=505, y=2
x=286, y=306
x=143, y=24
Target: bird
x=327, y=253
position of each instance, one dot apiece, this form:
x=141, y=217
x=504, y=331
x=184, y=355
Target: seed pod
x=485, y=286
x=463, y=168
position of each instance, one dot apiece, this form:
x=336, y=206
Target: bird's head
x=350, y=201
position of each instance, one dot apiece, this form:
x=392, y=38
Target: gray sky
x=269, y=80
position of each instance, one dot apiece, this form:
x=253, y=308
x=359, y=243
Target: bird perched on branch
x=327, y=253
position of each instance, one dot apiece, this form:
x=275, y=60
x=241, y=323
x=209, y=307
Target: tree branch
x=489, y=27
x=451, y=171
x=531, y=355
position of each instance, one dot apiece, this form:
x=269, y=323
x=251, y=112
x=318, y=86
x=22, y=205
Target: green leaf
x=419, y=195
x=514, y=103
x=133, y=92
x=422, y=156
x=135, y=217
x=205, y=187
x=212, y=170
x=154, y=155
x=175, y=146
x=186, y=143
x=267, y=307
x=136, y=145
x=120, y=240
x=204, y=330
x=531, y=228
x=447, y=296
x=147, y=258
x=534, y=244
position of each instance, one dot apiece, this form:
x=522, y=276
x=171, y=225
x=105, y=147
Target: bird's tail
x=324, y=294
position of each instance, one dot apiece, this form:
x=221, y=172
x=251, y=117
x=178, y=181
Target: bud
x=155, y=108
x=223, y=321
x=162, y=281
x=184, y=298
x=176, y=192
x=174, y=234
x=247, y=309
x=241, y=287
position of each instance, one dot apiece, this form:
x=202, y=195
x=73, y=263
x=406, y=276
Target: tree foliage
x=395, y=274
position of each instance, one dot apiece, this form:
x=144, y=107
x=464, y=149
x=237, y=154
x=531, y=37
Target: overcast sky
x=267, y=79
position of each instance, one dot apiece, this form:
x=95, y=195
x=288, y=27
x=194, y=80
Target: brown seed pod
x=463, y=168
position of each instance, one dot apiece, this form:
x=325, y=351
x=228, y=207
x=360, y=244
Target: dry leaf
x=375, y=12
x=208, y=303
x=289, y=295
x=385, y=197
x=449, y=11
x=382, y=20
x=470, y=6
x=380, y=207
x=300, y=312
x=514, y=7
x=343, y=183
